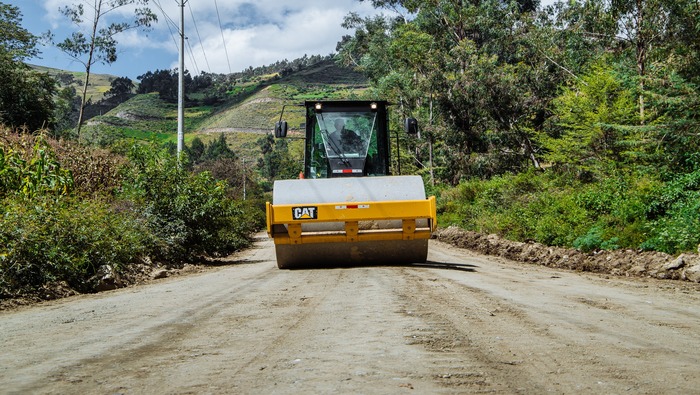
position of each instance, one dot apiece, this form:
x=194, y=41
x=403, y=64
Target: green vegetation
x=66, y=217
x=624, y=210
x=574, y=125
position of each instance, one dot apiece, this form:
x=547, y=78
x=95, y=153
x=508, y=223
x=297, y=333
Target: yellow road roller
x=346, y=209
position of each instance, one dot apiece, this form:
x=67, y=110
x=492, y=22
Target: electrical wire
x=222, y=36
x=191, y=53
x=201, y=44
x=168, y=21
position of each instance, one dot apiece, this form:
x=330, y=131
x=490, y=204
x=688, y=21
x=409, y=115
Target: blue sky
x=255, y=33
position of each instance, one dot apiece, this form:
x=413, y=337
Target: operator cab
x=346, y=139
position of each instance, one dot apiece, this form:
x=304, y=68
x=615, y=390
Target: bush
x=64, y=240
x=190, y=213
x=55, y=229
x=674, y=215
x=633, y=209
x=594, y=240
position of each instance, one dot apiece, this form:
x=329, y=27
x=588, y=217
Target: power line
x=168, y=21
x=201, y=44
x=192, y=58
x=218, y=16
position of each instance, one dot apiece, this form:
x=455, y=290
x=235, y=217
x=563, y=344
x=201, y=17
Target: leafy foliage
x=65, y=240
x=165, y=82
x=58, y=225
x=624, y=210
x=585, y=133
x=121, y=88
x=26, y=96
x=189, y=213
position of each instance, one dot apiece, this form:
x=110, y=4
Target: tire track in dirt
x=462, y=323
x=521, y=329
x=109, y=342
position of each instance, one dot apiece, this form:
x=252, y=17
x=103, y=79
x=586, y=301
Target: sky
x=255, y=33
x=250, y=33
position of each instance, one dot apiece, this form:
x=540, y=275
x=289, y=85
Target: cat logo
x=305, y=212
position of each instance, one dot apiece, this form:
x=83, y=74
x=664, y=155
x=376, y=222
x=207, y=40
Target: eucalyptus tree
x=650, y=48
x=96, y=39
x=121, y=88
x=642, y=23
x=474, y=64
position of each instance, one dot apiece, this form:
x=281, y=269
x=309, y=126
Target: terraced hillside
x=251, y=110
x=259, y=111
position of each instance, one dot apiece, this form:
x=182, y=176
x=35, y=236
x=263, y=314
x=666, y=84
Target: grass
x=99, y=83
x=147, y=117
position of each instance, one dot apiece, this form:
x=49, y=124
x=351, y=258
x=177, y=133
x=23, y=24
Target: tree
x=15, y=41
x=196, y=150
x=590, y=119
x=121, y=88
x=218, y=149
x=99, y=44
x=165, y=82
x=26, y=96
x=67, y=103
x=276, y=163
x=642, y=22
x=475, y=65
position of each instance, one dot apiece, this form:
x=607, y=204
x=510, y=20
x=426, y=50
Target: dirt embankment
x=620, y=263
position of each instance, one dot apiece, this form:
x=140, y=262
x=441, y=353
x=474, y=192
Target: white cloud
x=255, y=32
x=279, y=30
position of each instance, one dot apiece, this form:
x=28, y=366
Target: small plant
x=594, y=240
x=33, y=171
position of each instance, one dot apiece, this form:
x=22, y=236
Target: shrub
x=190, y=213
x=674, y=215
x=594, y=240
x=64, y=240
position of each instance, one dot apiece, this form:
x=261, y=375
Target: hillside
x=249, y=111
x=261, y=109
x=99, y=83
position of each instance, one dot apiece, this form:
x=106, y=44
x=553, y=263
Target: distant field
x=99, y=83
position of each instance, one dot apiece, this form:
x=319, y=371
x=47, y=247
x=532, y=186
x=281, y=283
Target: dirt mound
x=621, y=262
x=106, y=279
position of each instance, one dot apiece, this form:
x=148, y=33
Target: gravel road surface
x=463, y=323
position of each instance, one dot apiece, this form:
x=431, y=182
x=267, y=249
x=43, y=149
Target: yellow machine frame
x=352, y=213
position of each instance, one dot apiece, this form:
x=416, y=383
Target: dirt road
x=465, y=323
